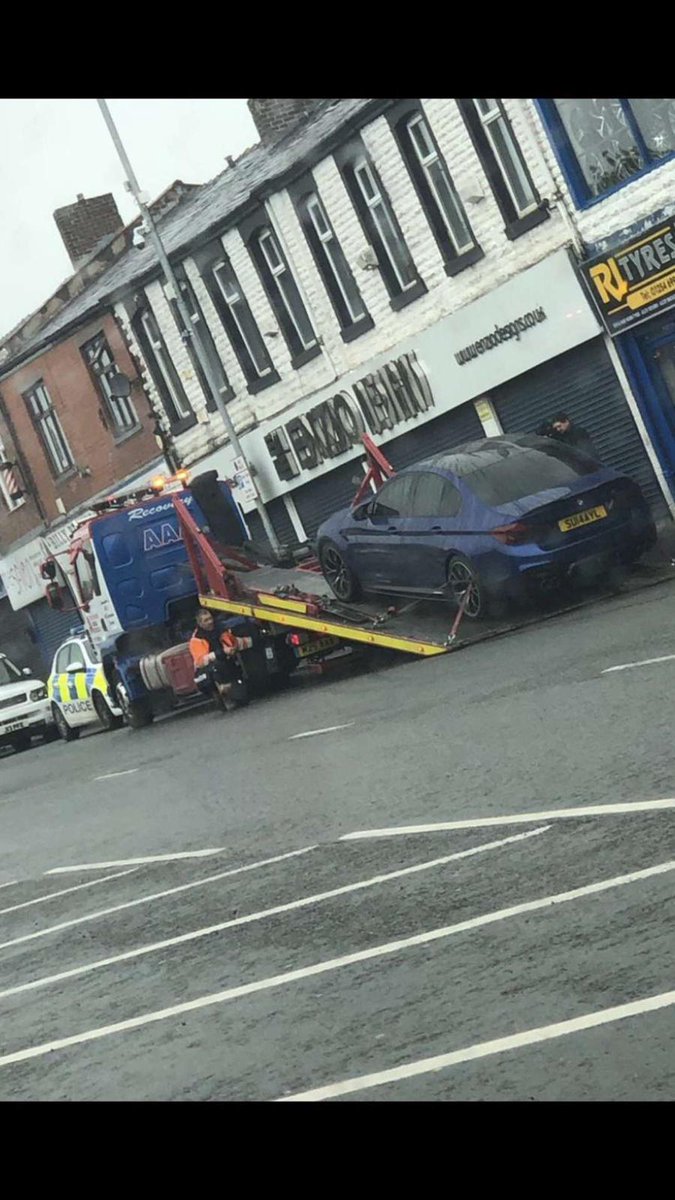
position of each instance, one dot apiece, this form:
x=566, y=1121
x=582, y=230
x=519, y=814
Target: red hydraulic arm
x=379, y=468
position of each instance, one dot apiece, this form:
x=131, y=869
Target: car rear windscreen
x=508, y=472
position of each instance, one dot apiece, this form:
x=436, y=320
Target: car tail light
x=512, y=535
x=294, y=639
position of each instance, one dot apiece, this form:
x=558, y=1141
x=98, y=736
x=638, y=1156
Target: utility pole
x=190, y=331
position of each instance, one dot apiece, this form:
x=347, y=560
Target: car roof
x=482, y=452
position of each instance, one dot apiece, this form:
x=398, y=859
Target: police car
x=24, y=707
x=78, y=690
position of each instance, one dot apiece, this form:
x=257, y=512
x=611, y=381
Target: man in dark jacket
x=564, y=430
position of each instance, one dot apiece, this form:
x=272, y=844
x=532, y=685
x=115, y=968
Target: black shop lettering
x=399, y=391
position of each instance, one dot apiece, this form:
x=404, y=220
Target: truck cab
x=132, y=581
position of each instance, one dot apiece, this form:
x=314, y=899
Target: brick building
x=65, y=437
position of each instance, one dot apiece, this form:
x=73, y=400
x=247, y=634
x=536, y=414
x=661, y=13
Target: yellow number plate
x=582, y=518
x=316, y=646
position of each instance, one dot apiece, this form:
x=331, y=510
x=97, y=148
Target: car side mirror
x=362, y=511
x=75, y=668
x=26, y=671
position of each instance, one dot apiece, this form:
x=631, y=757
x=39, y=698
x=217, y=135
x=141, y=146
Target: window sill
x=412, y=293
x=119, y=438
x=515, y=229
x=264, y=381
x=226, y=395
x=305, y=356
x=463, y=261
x=183, y=425
x=64, y=476
x=351, y=332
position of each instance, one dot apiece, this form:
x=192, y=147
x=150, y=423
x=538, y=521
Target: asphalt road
x=369, y=980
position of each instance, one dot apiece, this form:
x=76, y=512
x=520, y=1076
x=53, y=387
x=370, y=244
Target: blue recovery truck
x=130, y=577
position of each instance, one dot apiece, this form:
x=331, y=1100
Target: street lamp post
x=190, y=331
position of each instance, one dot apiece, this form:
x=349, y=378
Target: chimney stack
x=84, y=224
x=274, y=118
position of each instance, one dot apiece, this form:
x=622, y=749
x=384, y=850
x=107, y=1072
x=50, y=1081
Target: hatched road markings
x=181, y=887
x=554, y=814
x=250, y=918
x=65, y=892
x=129, y=862
x=274, y=981
x=516, y=1041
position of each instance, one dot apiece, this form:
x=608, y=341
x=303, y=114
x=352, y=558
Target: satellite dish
x=119, y=385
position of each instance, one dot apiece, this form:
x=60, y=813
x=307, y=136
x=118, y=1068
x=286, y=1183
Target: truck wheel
x=65, y=732
x=136, y=713
x=106, y=717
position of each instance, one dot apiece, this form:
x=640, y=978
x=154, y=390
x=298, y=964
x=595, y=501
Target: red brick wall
x=82, y=225
x=81, y=411
x=274, y=117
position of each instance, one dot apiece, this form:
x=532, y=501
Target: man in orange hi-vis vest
x=214, y=654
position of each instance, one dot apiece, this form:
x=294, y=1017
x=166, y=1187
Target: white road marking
x=250, y=918
x=128, y=862
x=182, y=887
x=644, y=662
x=273, y=981
x=115, y=774
x=11, y=883
x=65, y=891
x=529, y=1037
x=315, y=732
x=555, y=814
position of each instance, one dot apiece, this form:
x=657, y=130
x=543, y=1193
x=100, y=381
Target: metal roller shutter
x=51, y=628
x=278, y=514
x=453, y=428
x=322, y=497
x=583, y=383
x=281, y=523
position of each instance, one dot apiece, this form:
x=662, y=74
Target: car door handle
x=435, y=528
x=392, y=529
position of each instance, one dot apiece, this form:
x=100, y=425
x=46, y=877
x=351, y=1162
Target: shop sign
x=21, y=574
x=634, y=282
x=378, y=402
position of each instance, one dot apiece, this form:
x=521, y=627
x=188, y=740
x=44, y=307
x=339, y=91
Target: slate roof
x=206, y=210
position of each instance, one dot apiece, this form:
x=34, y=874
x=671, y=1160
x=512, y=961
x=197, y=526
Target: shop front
x=632, y=288
x=504, y=363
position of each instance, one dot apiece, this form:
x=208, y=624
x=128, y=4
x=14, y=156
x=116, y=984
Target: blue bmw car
x=504, y=516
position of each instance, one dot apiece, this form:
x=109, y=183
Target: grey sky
x=53, y=149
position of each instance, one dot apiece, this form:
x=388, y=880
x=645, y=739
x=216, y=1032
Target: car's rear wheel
x=340, y=578
x=462, y=575
x=106, y=717
x=66, y=733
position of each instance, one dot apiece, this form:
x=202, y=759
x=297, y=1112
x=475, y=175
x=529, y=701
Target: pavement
x=453, y=879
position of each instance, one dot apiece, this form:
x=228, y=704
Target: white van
x=25, y=711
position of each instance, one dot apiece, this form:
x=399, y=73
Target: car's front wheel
x=106, y=717
x=66, y=733
x=340, y=578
